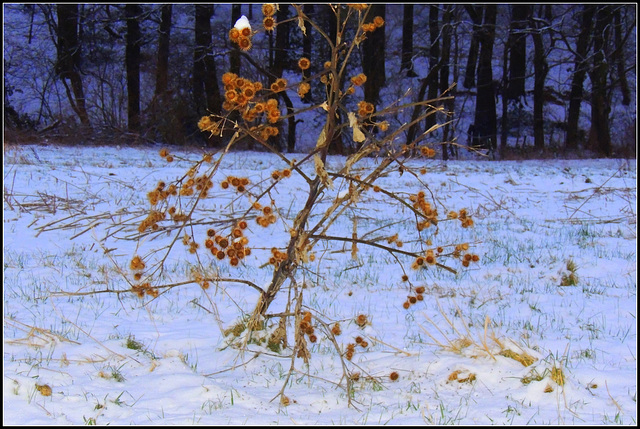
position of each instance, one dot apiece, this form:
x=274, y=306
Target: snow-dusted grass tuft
x=512, y=340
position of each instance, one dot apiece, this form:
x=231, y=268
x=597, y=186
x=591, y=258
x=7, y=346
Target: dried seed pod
x=336, y=330
x=44, y=389
x=394, y=376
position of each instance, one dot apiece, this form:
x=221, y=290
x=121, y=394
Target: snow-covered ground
x=542, y=330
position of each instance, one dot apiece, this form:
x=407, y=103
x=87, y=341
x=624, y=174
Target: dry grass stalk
x=36, y=337
x=463, y=340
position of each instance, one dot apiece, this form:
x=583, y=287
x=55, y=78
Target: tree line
x=153, y=70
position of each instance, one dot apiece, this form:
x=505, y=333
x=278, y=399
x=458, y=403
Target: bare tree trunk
x=541, y=69
x=280, y=60
x=600, y=102
x=407, y=40
x=445, y=58
x=504, y=120
x=132, y=60
x=485, y=114
x=234, y=55
x=579, y=74
x=164, y=36
x=205, y=80
x=475, y=13
x=434, y=64
x=68, y=58
x=517, y=45
x=373, y=57
x=620, y=58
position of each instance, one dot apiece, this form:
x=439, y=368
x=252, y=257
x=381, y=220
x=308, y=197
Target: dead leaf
x=322, y=172
x=322, y=139
x=358, y=135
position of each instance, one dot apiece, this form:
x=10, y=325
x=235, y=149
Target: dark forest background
x=531, y=80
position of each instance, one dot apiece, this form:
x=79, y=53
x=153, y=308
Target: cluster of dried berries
x=137, y=264
x=269, y=22
x=361, y=342
x=428, y=259
x=336, y=329
x=361, y=320
x=241, y=36
x=202, y=184
x=145, y=289
x=151, y=221
x=359, y=79
x=378, y=22
x=177, y=216
x=430, y=213
x=465, y=220
x=466, y=258
x=231, y=247
x=277, y=257
x=307, y=328
x=267, y=218
x=206, y=124
x=279, y=85
x=414, y=299
x=358, y=6
x=427, y=152
x=351, y=349
x=164, y=153
x=279, y=174
x=303, y=89
x=266, y=131
x=304, y=63
x=268, y=109
x=239, y=183
x=239, y=91
x=269, y=9
x=203, y=282
x=394, y=238
x=191, y=244
x=365, y=109
x=161, y=193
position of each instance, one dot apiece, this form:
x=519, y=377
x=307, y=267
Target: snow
x=531, y=218
x=242, y=22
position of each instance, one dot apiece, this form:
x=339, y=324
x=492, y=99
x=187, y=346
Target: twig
x=392, y=347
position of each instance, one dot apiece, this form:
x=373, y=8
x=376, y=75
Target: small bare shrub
x=227, y=240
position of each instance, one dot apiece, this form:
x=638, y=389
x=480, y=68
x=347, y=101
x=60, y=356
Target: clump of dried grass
x=484, y=343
